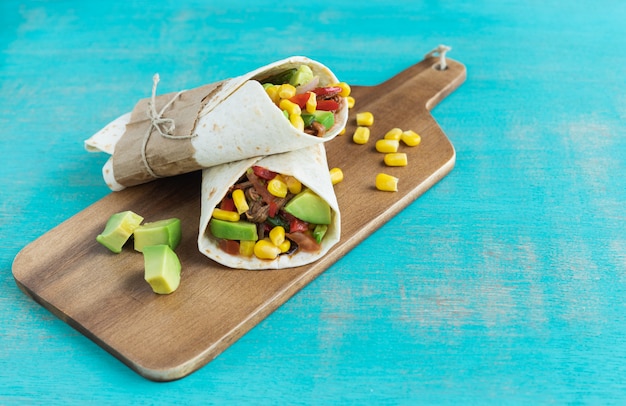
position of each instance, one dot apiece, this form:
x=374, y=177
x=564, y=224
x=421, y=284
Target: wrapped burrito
x=287, y=105
x=275, y=212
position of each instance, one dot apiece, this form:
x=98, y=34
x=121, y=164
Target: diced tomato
x=295, y=224
x=263, y=173
x=300, y=99
x=327, y=105
x=228, y=204
x=328, y=91
x=230, y=246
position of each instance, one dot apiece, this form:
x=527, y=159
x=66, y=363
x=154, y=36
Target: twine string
x=163, y=125
x=441, y=51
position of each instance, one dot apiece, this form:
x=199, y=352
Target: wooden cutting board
x=163, y=338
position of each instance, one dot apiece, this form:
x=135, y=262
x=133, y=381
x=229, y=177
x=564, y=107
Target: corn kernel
x=240, y=201
x=246, y=247
x=272, y=92
x=225, y=215
x=264, y=249
x=361, y=135
x=393, y=134
x=311, y=103
x=386, y=146
x=293, y=185
x=336, y=175
x=350, y=101
x=277, y=187
x=277, y=235
x=343, y=131
x=290, y=107
x=386, y=183
x=345, y=89
x=365, y=118
x=284, y=247
x=286, y=91
x=411, y=138
x=396, y=159
x=297, y=121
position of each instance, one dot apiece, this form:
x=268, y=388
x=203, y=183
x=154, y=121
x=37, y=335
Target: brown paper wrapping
x=163, y=156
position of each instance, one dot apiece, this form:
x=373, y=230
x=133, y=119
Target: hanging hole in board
x=438, y=66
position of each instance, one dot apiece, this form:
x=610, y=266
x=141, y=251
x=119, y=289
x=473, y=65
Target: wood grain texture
x=164, y=338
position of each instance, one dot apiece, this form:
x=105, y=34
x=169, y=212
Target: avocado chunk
x=325, y=118
x=309, y=207
x=233, y=230
x=302, y=75
x=161, y=268
x=118, y=230
x=166, y=232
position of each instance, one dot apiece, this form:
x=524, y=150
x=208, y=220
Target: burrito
x=274, y=212
x=286, y=105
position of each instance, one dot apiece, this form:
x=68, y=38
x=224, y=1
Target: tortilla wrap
x=308, y=165
x=194, y=129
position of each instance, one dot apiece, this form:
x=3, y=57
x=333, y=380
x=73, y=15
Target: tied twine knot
x=441, y=51
x=165, y=126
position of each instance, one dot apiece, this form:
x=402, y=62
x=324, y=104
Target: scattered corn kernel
x=225, y=215
x=361, y=135
x=286, y=91
x=350, y=101
x=277, y=187
x=393, y=134
x=365, y=118
x=336, y=175
x=284, y=247
x=297, y=121
x=239, y=198
x=386, y=183
x=277, y=235
x=386, y=146
x=264, y=249
x=411, y=138
x=246, y=247
x=396, y=159
x=290, y=107
x=311, y=103
x=343, y=131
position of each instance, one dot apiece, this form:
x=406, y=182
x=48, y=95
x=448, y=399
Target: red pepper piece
x=229, y=246
x=327, y=92
x=263, y=173
x=228, y=204
x=300, y=99
x=327, y=105
x=273, y=209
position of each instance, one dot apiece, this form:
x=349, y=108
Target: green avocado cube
x=302, y=75
x=118, y=230
x=309, y=207
x=166, y=232
x=325, y=118
x=233, y=230
x=161, y=268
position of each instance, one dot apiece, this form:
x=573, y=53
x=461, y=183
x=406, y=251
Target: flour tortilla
x=214, y=124
x=308, y=165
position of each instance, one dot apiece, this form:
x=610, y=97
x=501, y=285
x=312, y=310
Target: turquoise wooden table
x=504, y=283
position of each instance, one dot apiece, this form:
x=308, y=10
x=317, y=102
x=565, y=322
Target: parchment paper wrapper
x=308, y=165
x=217, y=123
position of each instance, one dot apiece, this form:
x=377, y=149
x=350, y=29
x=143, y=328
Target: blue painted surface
x=512, y=281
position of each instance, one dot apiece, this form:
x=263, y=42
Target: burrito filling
x=267, y=214
x=309, y=105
